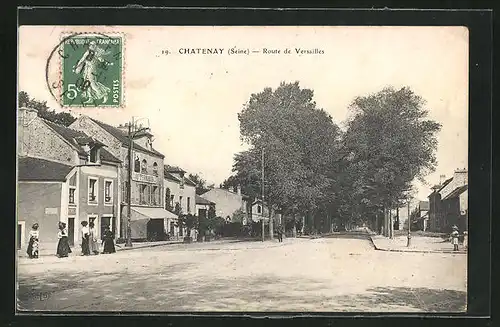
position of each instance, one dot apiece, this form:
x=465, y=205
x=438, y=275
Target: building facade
x=179, y=191
x=228, y=202
x=147, y=201
x=448, y=203
x=63, y=175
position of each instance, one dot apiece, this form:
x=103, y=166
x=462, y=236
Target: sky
x=192, y=100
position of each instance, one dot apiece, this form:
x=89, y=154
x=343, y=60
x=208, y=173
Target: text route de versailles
x=234, y=50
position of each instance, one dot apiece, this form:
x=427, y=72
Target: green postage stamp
x=92, y=70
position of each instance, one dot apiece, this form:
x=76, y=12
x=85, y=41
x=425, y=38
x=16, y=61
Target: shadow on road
x=349, y=235
x=177, y=288
x=424, y=299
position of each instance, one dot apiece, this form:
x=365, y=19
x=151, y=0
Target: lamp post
x=408, y=243
x=131, y=134
x=262, y=190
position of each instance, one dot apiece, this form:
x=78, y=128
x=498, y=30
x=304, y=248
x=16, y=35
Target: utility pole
x=129, y=184
x=408, y=243
x=262, y=189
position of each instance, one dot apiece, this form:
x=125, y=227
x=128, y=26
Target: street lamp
x=131, y=135
x=408, y=243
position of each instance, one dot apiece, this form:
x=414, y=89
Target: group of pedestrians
x=90, y=244
x=89, y=240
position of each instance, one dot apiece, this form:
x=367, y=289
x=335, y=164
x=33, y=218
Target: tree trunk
x=391, y=225
x=271, y=225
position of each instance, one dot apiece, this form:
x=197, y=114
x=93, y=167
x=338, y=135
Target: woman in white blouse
x=85, y=238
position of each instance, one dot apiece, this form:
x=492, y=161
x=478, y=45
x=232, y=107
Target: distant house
x=259, y=211
x=227, y=202
x=202, y=206
x=422, y=215
x=448, y=203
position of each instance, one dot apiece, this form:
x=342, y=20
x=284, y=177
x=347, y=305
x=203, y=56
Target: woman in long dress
x=108, y=241
x=93, y=246
x=88, y=66
x=33, y=244
x=63, y=248
x=85, y=238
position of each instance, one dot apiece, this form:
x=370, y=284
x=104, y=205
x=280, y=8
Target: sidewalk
x=229, y=244
x=419, y=244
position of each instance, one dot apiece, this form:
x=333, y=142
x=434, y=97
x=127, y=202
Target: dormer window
x=94, y=155
x=144, y=167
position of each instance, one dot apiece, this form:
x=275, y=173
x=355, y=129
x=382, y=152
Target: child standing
x=454, y=238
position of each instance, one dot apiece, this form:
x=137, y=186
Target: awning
x=151, y=213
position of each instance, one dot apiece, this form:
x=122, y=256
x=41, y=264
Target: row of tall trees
x=314, y=169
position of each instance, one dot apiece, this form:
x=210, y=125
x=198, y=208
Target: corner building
x=147, y=201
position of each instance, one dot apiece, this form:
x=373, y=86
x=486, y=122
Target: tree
x=300, y=144
x=61, y=118
x=238, y=216
x=201, y=186
x=188, y=221
x=390, y=143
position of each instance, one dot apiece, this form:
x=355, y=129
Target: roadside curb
x=118, y=248
x=412, y=251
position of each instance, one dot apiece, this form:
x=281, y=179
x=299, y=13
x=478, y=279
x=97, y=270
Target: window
x=154, y=195
x=188, y=205
x=143, y=194
x=259, y=209
x=144, y=167
x=137, y=165
x=72, y=195
x=155, y=169
x=93, y=190
x=126, y=161
x=172, y=200
x=108, y=191
x=181, y=185
x=180, y=200
x=94, y=158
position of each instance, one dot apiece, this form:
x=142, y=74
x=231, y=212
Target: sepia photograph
x=242, y=169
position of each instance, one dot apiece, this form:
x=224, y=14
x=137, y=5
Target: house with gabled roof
x=63, y=175
x=148, y=215
x=448, y=203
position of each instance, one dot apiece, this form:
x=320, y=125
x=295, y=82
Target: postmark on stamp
x=91, y=70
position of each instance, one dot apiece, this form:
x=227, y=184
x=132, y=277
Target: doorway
x=105, y=221
x=155, y=230
x=71, y=231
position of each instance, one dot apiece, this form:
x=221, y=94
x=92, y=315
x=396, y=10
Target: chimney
x=26, y=115
x=442, y=178
x=460, y=177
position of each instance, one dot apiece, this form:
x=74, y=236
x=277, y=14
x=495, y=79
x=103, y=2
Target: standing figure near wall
x=63, y=248
x=93, y=245
x=33, y=244
x=85, y=239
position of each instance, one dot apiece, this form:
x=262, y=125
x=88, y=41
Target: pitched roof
x=123, y=138
x=456, y=192
x=174, y=169
x=79, y=138
x=446, y=182
x=424, y=205
x=200, y=200
x=189, y=182
x=35, y=169
x=169, y=176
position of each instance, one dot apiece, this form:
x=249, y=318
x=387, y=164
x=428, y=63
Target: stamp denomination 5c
x=91, y=71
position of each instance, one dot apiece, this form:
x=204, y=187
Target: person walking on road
x=93, y=245
x=63, y=248
x=108, y=241
x=279, y=230
x=33, y=244
x=85, y=238
x=454, y=238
